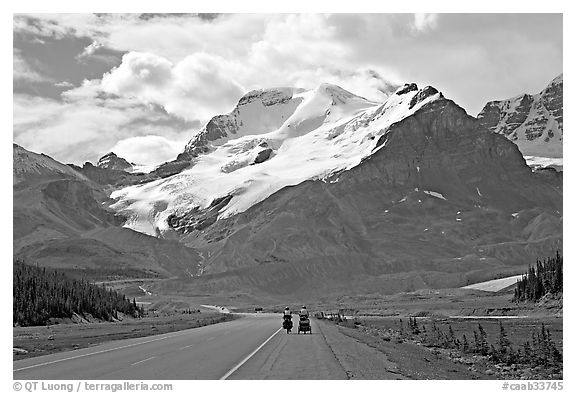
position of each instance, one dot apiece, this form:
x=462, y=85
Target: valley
x=376, y=212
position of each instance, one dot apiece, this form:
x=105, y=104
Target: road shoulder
x=367, y=357
x=359, y=360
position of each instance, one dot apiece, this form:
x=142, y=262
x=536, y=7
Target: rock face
x=263, y=155
x=534, y=122
x=112, y=161
x=105, y=176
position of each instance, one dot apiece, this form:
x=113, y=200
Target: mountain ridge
x=61, y=219
x=534, y=122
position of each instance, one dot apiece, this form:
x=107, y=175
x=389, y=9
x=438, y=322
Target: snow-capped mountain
x=533, y=122
x=273, y=138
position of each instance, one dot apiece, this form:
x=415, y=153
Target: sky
x=142, y=84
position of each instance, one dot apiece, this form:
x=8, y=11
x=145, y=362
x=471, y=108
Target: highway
x=250, y=347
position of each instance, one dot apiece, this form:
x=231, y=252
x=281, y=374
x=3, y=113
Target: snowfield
x=495, y=285
x=545, y=162
x=311, y=135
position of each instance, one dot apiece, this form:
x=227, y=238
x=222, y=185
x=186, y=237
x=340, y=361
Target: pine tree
x=482, y=339
x=465, y=345
x=503, y=341
x=451, y=337
x=545, y=278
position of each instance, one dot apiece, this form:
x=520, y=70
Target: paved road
x=251, y=347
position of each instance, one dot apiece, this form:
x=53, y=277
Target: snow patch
x=146, y=292
x=494, y=285
x=545, y=162
x=435, y=194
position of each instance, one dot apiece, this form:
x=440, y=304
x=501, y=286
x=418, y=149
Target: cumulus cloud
x=195, y=88
x=148, y=149
x=423, y=22
x=86, y=124
x=195, y=68
x=90, y=50
x=283, y=50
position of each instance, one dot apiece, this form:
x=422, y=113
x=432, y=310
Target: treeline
x=539, y=351
x=40, y=294
x=544, y=278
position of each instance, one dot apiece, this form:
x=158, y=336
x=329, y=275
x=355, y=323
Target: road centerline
x=142, y=361
x=236, y=367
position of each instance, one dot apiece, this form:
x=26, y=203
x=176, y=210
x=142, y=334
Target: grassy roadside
x=35, y=341
x=420, y=356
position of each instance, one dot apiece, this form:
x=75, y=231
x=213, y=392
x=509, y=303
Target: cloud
x=181, y=70
x=90, y=50
x=195, y=88
x=87, y=123
x=64, y=84
x=149, y=149
x=423, y=22
x=22, y=72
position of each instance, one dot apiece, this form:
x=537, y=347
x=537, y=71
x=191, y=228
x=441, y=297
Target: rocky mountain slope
x=534, y=122
x=61, y=219
x=112, y=161
x=318, y=193
x=31, y=166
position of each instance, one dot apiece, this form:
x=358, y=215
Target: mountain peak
x=407, y=88
x=557, y=80
x=338, y=94
x=270, y=96
x=112, y=161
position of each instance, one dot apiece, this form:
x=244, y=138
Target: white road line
x=97, y=352
x=210, y=339
x=233, y=370
x=142, y=361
